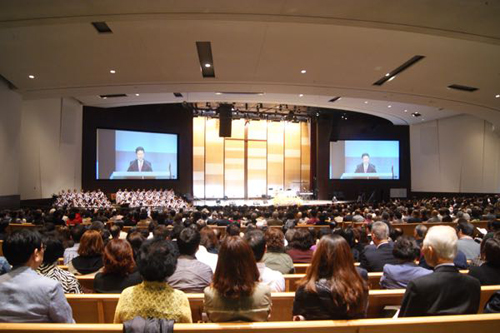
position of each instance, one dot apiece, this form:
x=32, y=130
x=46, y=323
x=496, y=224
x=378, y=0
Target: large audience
x=164, y=254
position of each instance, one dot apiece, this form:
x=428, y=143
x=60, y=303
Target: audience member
x=489, y=272
x=445, y=291
x=191, y=275
x=332, y=287
x=419, y=234
x=119, y=271
x=32, y=298
x=398, y=275
x=374, y=257
x=4, y=266
x=89, y=258
x=275, y=257
x=274, y=279
x=466, y=243
x=72, y=252
x=299, y=248
x=154, y=298
x=236, y=294
x=53, y=251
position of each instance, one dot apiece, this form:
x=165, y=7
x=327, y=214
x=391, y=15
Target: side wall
x=51, y=147
x=459, y=154
x=10, y=128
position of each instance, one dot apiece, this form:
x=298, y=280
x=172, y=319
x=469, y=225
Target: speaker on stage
x=225, y=118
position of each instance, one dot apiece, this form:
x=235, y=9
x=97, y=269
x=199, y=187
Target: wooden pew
x=484, y=323
x=1, y=248
x=302, y=268
x=100, y=308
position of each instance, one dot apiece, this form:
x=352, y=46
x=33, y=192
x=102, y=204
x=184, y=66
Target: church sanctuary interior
x=259, y=166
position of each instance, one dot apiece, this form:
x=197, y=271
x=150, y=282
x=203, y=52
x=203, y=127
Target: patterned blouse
x=68, y=281
x=153, y=300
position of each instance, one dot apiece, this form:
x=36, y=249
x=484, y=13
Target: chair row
x=485, y=323
x=100, y=308
x=290, y=280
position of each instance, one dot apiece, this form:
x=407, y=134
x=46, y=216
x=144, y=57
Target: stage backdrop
x=260, y=157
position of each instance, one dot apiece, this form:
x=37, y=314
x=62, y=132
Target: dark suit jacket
x=370, y=169
x=444, y=292
x=134, y=166
x=373, y=259
x=487, y=274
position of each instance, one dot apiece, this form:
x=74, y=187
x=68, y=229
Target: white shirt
x=206, y=257
x=272, y=278
x=140, y=162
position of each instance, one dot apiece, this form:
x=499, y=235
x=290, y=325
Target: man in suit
x=374, y=257
x=446, y=291
x=366, y=166
x=140, y=164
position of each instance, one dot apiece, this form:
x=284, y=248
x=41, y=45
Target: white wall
x=457, y=154
x=51, y=147
x=10, y=128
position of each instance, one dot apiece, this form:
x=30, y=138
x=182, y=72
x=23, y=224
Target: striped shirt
x=67, y=280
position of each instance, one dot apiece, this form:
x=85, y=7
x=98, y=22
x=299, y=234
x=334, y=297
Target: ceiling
x=260, y=46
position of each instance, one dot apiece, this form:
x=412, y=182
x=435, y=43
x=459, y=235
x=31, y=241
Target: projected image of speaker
x=225, y=117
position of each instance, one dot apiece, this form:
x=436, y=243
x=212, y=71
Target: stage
x=258, y=202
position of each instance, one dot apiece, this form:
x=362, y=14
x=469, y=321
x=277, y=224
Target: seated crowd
x=166, y=199
x=82, y=199
x=164, y=256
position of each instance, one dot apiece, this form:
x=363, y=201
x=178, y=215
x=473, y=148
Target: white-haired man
x=375, y=256
x=445, y=291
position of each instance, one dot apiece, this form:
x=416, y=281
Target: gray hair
x=443, y=240
x=421, y=230
x=380, y=230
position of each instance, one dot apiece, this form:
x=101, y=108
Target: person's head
x=491, y=250
x=440, y=245
x=208, y=238
x=420, y=231
x=406, y=249
x=54, y=250
x=188, y=241
x=275, y=240
x=156, y=260
x=115, y=231
x=24, y=247
x=334, y=262
x=465, y=229
x=161, y=232
x=139, y=153
x=257, y=242
x=380, y=232
x=302, y=239
x=77, y=232
x=366, y=158
x=236, y=273
x=136, y=239
x=91, y=244
x=118, y=258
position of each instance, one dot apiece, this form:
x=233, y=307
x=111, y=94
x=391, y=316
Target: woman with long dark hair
x=332, y=287
x=235, y=293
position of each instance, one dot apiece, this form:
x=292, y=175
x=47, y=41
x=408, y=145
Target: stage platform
x=258, y=202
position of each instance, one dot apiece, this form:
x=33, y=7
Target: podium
x=377, y=175
x=141, y=175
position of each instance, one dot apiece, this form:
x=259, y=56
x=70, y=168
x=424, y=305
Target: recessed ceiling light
x=31, y=76
x=208, y=65
x=104, y=97
x=218, y=93
x=112, y=71
x=389, y=106
x=497, y=96
x=387, y=74
x=366, y=102
x=406, y=110
x=392, y=78
x=303, y=71
x=137, y=94
x=300, y=95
